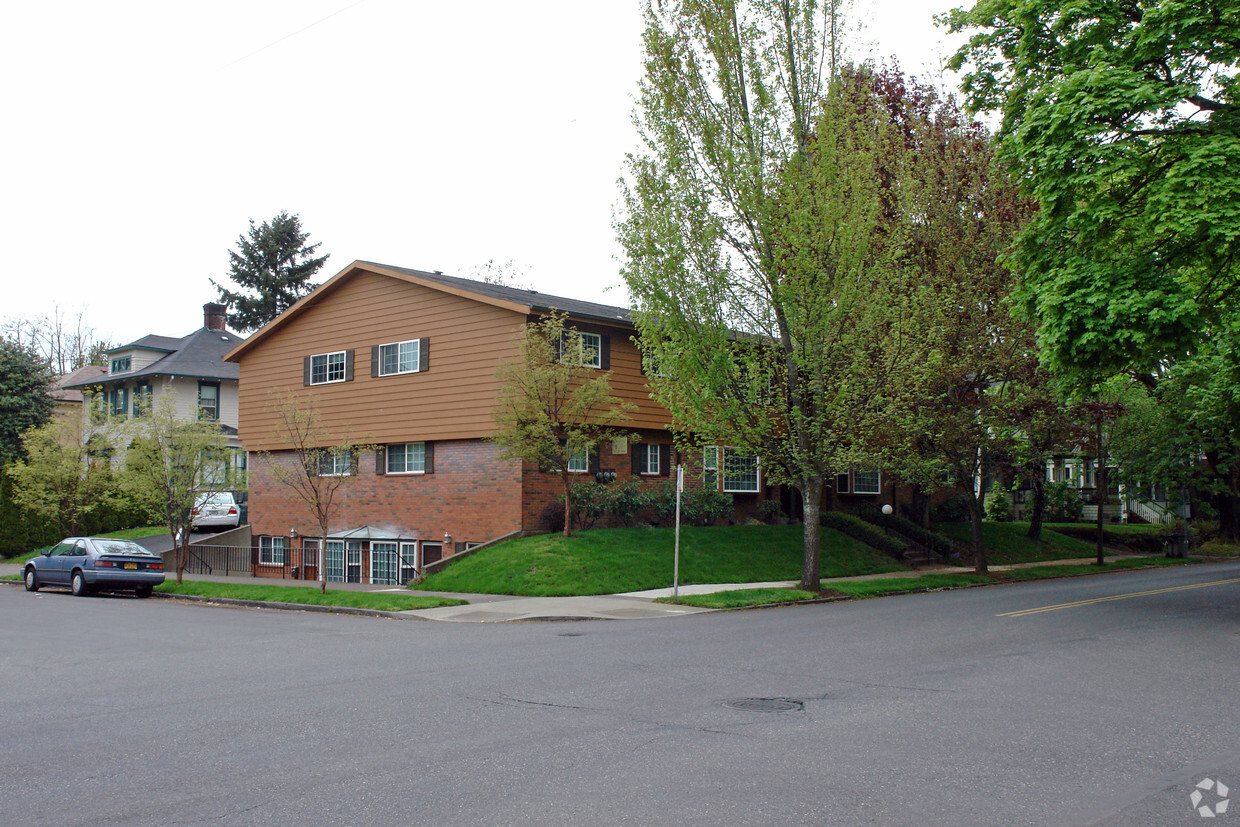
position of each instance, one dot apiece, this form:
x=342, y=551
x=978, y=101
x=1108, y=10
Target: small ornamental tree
x=165, y=467
x=553, y=408
x=273, y=266
x=315, y=466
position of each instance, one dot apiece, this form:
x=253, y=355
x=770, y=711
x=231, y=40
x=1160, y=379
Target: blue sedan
x=88, y=564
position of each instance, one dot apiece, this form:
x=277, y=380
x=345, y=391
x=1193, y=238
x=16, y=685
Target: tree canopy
x=273, y=266
x=1122, y=117
x=24, y=400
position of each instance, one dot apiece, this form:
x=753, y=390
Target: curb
x=286, y=607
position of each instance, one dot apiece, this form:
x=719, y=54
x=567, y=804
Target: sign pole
x=680, y=486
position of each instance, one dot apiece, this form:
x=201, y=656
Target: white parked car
x=219, y=510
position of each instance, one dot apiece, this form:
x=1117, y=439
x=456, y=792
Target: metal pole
x=680, y=486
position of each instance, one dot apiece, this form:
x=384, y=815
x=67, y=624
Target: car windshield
x=121, y=547
x=216, y=499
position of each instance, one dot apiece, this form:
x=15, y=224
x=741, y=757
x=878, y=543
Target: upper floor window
x=584, y=349
x=121, y=364
x=118, y=401
x=328, y=367
x=406, y=458
x=335, y=463
x=740, y=471
x=209, y=400
x=399, y=357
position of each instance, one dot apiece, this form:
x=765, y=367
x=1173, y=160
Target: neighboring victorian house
x=192, y=370
x=407, y=360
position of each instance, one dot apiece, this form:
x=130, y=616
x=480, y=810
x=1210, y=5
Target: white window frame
x=409, y=562
x=390, y=550
x=649, y=466
x=404, y=446
x=267, y=548
x=710, y=466
x=878, y=475
x=327, y=367
x=733, y=489
x=121, y=364
x=335, y=456
x=417, y=355
x=579, y=463
x=588, y=341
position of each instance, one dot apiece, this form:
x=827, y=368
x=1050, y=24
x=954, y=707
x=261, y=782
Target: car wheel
x=32, y=580
x=144, y=591
x=78, y=584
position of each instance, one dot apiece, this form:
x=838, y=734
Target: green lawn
x=380, y=601
x=1115, y=528
x=743, y=598
x=1006, y=543
x=606, y=561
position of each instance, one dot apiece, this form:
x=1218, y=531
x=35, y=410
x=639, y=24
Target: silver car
x=217, y=510
x=89, y=564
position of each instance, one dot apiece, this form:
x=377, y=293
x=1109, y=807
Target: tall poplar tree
x=766, y=287
x=273, y=266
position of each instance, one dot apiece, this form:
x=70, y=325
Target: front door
x=353, y=562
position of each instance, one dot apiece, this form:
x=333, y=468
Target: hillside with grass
x=607, y=561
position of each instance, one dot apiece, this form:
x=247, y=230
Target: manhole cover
x=765, y=704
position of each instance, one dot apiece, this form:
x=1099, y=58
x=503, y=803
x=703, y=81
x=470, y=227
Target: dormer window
x=121, y=364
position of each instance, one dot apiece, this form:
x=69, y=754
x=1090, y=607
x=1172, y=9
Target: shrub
x=698, y=506
x=932, y=540
x=857, y=528
x=627, y=501
x=589, y=503
x=954, y=509
x=998, y=507
x=1063, y=505
x=770, y=512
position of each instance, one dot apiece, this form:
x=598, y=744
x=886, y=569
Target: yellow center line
x=1038, y=610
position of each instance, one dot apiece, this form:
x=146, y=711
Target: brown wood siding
x=453, y=400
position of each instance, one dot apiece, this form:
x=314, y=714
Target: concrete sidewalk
x=499, y=608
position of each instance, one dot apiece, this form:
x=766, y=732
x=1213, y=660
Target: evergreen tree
x=273, y=266
x=24, y=400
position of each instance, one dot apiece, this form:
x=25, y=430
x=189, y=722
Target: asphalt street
x=1096, y=700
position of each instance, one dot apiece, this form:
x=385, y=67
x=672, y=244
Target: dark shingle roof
x=536, y=300
x=200, y=355
x=65, y=387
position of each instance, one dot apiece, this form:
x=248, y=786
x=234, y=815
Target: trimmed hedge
x=932, y=540
x=857, y=528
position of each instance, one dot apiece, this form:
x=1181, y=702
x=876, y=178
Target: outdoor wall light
x=887, y=508
x=292, y=532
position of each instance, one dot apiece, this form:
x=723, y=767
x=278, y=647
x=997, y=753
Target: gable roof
x=200, y=355
x=512, y=298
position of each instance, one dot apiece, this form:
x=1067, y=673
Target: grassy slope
x=1006, y=543
x=606, y=561
x=380, y=601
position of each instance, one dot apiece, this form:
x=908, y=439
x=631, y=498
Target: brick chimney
x=214, y=315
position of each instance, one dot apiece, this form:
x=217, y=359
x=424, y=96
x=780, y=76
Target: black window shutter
x=665, y=460
x=374, y=361
x=604, y=352
x=381, y=460
x=594, y=460
x=348, y=365
x=638, y=449
x=430, y=457
x=424, y=354
x=305, y=378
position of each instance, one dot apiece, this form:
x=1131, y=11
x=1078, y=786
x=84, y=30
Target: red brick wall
x=472, y=495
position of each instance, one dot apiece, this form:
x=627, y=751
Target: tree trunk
x=1102, y=499
x=1228, y=505
x=1039, y=508
x=977, y=510
x=568, y=503
x=811, y=502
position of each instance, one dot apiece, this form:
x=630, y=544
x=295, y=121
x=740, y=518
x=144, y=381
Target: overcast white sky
x=140, y=137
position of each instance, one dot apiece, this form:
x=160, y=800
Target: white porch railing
x=1150, y=512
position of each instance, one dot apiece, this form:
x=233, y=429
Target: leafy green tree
x=553, y=410
x=24, y=399
x=273, y=266
x=57, y=482
x=165, y=467
x=769, y=299
x=1121, y=116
